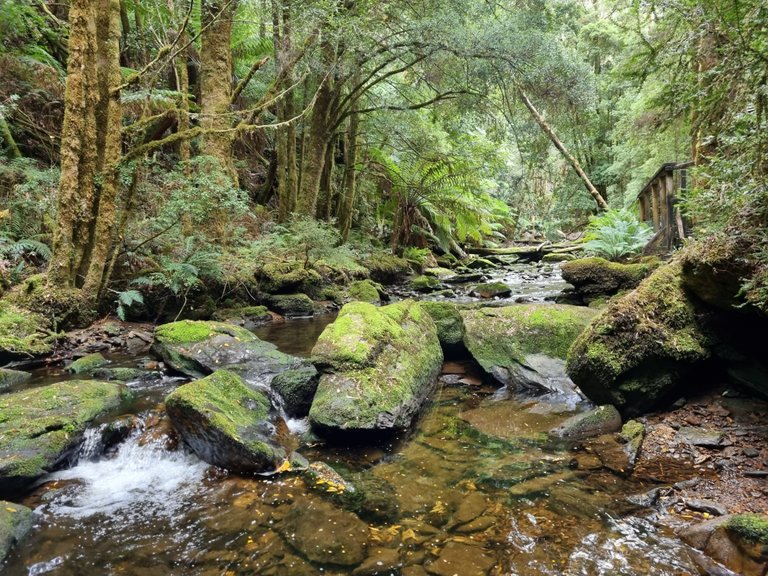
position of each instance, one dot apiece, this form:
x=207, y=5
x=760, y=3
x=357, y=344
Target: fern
x=125, y=300
x=616, y=234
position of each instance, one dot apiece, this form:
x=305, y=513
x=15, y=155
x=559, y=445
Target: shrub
x=616, y=234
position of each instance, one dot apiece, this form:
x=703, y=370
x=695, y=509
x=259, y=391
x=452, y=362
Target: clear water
x=474, y=489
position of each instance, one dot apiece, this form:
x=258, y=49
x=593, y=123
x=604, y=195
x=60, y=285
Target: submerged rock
x=378, y=367
x=596, y=277
x=600, y=420
x=40, y=427
x=637, y=352
x=226, y=423
x=198, y=348
x=15, y=524
x=525, y=345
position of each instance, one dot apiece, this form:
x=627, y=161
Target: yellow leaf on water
x=284, y=467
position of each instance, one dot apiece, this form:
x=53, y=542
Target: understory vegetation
x=231, y=149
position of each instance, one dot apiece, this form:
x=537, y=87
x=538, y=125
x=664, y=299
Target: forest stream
x=476, y=487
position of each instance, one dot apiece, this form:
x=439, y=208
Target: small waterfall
x=93, y=444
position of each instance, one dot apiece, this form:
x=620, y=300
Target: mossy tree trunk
x=91, y=141
x=216, y=82
x=349, y=187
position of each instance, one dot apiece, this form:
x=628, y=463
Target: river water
x=476, y=488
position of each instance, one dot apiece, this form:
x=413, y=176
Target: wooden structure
x=658, y=206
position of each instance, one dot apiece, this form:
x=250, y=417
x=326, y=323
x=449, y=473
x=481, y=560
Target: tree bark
x=216, y=82
x=349, y=188
x=601, y=203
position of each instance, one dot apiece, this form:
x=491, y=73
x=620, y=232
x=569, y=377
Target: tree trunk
x=90, y=149
x=349, y=188
x=216, y=82
x=601, y=204
x=285, y=134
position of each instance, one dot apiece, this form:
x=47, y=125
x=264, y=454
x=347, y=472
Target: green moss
x=10, y=378
x=424, y=284
x=23, y=332
x=595, y=277
x=62, y=308
x=364, y=291
x=447, y=319
x=287, y=276
x=635, y=349
x=492, y=290
x=88, y=363
x=292, y=305
x=387, y=268
x=190, y=331
x=224, y=400
x=750, y=527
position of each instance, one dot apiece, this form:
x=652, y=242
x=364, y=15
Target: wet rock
x=460, y=558
x=464, y=278
x=596, y=277
x=480, y=264
x=226, y=423
x=471, y=507
x=424, y=284
x=292, y=305
x=87, y=364
x=122, y=374
x=10, y=378
x=600, y=420
x=633, y=433
x=198, y=348
x=524, y=346
x=248, y=317
x=326, y=534
x=636, y=354
x=378, y=366
x=41, y=426
x=323, y=478
x=447, y=319
x=706, y=506
x=491, y=290
x=15, y=524
x=380, y=562
x=700, y=437
x=296, y=387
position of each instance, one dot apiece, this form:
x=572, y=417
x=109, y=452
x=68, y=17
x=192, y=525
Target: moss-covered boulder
x=248, y=317
x=450, y=325
x=492, y=290
x=22, y=333
x=425, y=284
x=225, y=422
x=15, y=524
x=364, y=291
x=62, y=308
x=292, y=305
x=10, y=378
x=480, y=264
x=596, y=277
x=525, y=345
x=40, y=427
x=297, y=388
x=387, y=268
x=378, y=367
x=198, y=348
x=286, y=277
x=87, y=364
x=637, y=351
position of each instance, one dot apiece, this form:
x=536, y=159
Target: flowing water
x=475, y=489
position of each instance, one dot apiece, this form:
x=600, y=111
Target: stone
x=480, y=264
x=600, y=420
x=296, y=387
x=364, y=291
x=23, y=333
x=40, y=427
x=524, y=346
x=425, y=284
x=292, y=305
x=248, y=317
x=706, y=506
x=460, y=558
x=380, y=562
x=387, y=268
x=15, y=524
x=198, y=348
x=491, y=290
x=700, y=437
x=751, y=452
x=325, y=534
x=87, y=364
x=226, y=423
x=286, y=276
x=10, y=378
x=447, y=319
x=594, y=278
x=637, y=353
x=378, y=366
x=464, y=278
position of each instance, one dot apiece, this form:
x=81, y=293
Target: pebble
x=751, y=452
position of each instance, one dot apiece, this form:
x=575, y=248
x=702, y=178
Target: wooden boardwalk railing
x=658, y=206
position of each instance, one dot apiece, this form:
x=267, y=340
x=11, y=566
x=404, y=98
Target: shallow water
x=475, y=489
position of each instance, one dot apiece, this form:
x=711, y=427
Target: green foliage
x=125, y=300
x=615, y=234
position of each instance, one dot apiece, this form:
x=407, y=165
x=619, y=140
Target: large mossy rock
x=10, y=378
x=364, y=291
x=449, y=323
x=287, y=277
x=226, y=423
x=387, y=268
x=636, y=353
x=23, y=333
x=596, y=277
x=15, y=524
x=525, y=345
x=248, y=317
x=292, y=305
x=198, y=348
x=378, y=367
x=40, y=427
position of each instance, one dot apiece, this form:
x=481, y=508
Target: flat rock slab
x=39, y=427
x=701, y=437
x=459, y=558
